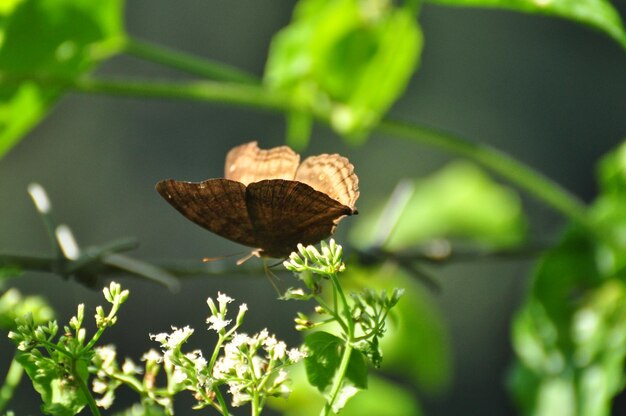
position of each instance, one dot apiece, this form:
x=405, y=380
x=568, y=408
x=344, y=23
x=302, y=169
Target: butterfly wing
x=219, y=205
x=331, y=174
x=284, y=213
x=247, y=163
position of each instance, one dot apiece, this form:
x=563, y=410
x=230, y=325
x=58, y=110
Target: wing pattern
x=268, y=200
x=331, y=174
x=285, y=213
x=219, y=205
x=247, y=163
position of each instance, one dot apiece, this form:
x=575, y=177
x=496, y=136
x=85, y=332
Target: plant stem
x=256, y=96
x=255, y=404
x=347, y=351
x=12, y=380
x=85, y=390
x=186, y=62
x=211, y=91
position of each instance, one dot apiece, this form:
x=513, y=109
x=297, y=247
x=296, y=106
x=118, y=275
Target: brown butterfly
x=268, y=199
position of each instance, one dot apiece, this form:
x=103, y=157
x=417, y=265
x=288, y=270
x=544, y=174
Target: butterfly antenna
x=218, y=258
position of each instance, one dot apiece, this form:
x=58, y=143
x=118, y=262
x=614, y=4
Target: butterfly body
x=268, y=200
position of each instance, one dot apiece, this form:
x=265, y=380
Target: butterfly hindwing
x=219, y=205
x=247, y=163
x=331, y=174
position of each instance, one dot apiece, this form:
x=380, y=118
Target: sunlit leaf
x=382, y=398
x=458, y=201
x=14, y=305
x=599, y=14
x=347, y=59
x=60, y=397
x=43, y=41
x=325, y=352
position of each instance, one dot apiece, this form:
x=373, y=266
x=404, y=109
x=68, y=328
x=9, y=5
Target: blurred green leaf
x=599, y=14
x=458, y=201
x=299, y=126
x=570, y=335
x=53, y=38
x=382, y=398
x=60, y=397
x=9, y=271
x=14, y=305
x=347, y=59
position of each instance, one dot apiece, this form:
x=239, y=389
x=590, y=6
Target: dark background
x=549, y=92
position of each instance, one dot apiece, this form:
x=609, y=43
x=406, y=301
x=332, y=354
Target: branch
x=186, y=62
x=258, y=97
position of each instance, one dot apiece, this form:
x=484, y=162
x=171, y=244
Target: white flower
x=197, y=359
x=217, y=323
x=223, y=299
x=152, y=356
x=105, y=401
x=99, y=386
x=281, y=377
x=279, y=350
x=269, y=342
x=296, y=354
x=161, y=338
x=179, y=375
x=107, y=355
x=179, y=336
x=239, y=396
x=129, y=367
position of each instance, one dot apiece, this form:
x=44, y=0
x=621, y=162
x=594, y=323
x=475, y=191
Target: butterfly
x=268, y=200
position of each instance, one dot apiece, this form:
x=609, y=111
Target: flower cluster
x=309, y=258
x=253, y=367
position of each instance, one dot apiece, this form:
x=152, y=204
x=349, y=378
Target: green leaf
x=59, y=39
x=322, y=363
x=60, y=396
x=323, y=359
x=8, y=271
x=345, y=60
x=458, y=201
x=599, y=14
x=299, y=125
x=13, y=305
x=570, y=335
x=382, y=398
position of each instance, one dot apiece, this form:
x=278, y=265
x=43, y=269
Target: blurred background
x=548, y=92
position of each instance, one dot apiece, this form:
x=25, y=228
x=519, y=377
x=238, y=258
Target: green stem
x=258, y=97
x=221, y=401
x=338, y=380
x=511, y=169
x=347, y=352
x=209, y=91
x=83, y=387
x=186, y=62
x=255, y=404
x=12, y=380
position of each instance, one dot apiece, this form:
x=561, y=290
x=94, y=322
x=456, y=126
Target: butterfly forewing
x=285, y=213
x=219, y=205
x=247, y=163
x=331, y=174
